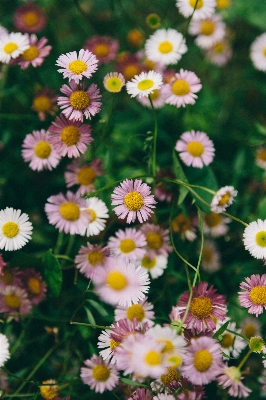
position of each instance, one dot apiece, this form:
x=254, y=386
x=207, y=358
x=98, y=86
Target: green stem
x=64, y=257
x=154, y=139
x=70, y=245
x=89, y=325
x=190, y=18
x=244, y=359
x=59, y=242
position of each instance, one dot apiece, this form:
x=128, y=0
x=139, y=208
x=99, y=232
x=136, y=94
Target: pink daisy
x=76, y=66
x=230, y=378
x=208, y=30
x=39, y=152
x=142, y=311
x=182, y=88
x=84, y=174
x=35, y=54
x=9, y=276
x=220, y=53
x=79, y=101
x=64, y=212
x=69, y=138
x=99, y=374
x=104, y=47
x=44, y=102
x=128, y=245
x=204, y=307
x=32, y=282
x=254, y=295
x=133, y=199
x=90, y=258
x=202, y=361
x=120, y=283
x=13, y=301
x=30, y=18
x=195, y=148
x=157, y=239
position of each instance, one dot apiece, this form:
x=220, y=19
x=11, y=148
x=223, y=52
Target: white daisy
x=173, y=343
x=97, y=213
x=204, y=8
x=12, y=45
x=4, y=352
x=142, y=311
x=254, y=238
x=165, y=46
x=128, y=245
x=155, y=264
x=15, y=229
x=223, y=198
x=258, y=52
x=231, y=345
x=144, y=84
x=208, y=31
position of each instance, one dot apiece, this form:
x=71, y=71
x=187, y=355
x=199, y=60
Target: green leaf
x=261, y=128
x=52, y=273
x=90, y=316
x=179, y=173
x=132, y=383
x=98, y=307
x=221, y=330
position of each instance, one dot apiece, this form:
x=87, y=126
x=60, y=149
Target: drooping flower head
x=258, y=53
x=203, y=8
x=181, y=90
x=223, y=198
x=113, y=82
x=128, y=245
x=30, y=18
x=35, y=54
x=254, y=295
x=230, y=378
x=76, y=66
x=12, y=45
x=15, y=229
x=104, y=47
x=254, y=238
x=44, y=102
x=144, y=84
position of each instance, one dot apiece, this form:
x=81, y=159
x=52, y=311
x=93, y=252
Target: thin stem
x=244, y=359
x=89, y=325
x=201, y=245
x=235, y=218
x=59, y=242
x=64, y=257
x=154, y=139
x=70, y=245
x=190, y=18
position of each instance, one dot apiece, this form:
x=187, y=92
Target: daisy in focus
x=133, y=199
x=254, y=295
x=181, y=90
x=30, y=18
x=39, y=152
x=113, y=82
x=258, y=52
x=91, y=257
x=35, y=54
x=44, y=102
x=195, y=149
x=165, y=46
x=12, y=45
x=144, y=84
x=99, y=374
x=104, y=47
x=208, y=31
x=83, y=175
x=15, y=229
x=141, y=311
x=254, y=238
x=203, y=8
x=76, y=66
x=223, y=198
x=97, y=214
x=4, y=352
x=128, y=245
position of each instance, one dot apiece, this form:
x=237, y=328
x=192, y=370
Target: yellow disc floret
x=95, y=257
x=101, y=50
x=77, y=67
x=170, y=376
x=145, y=84
x=258, y=295
x=43, y=149
x=202, y=360
x=137, y=311
x=133, y=201
x=228, y=340
x=165, y=47
x=30, y=18
x=10, y=229
x=79, y=100
x=30, y=54
x=34, y=286
x=207, y=28
x=201, y=307
x=154, y=240
x=127, y=245
x=212, y=219
x=70, y=135
x=50, y=390
x=116, y=280
x=180, y=87
x=193, y=3
x=195, y=148
x=12, y=301
x=261, y=238
x=10, y=47
x=153, y=357
x=42, y=104
x=69, y=211
x=224, y=199
x=101, y=373
x=148, y=262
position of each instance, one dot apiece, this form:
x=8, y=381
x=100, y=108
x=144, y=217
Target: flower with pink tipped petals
x=35, y=54
x=30, y=18
x=69, y=138
x=104, y=47
x=90, y=258
x=195, y=148
x=128, y=245
x=76, y=66
x=33, y=283
x=142, y=311
x=13, y=301
x=78, y=101
x=133, y=199
x=254, y=295
x=230, y=379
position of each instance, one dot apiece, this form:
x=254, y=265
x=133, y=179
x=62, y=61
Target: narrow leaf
x=52, y=272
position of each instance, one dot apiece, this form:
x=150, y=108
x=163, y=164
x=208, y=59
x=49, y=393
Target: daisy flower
x=165, y=46
x=205, y=306
x=83, y=174
x=173, y=344
x=258, y=53
x=219, y=53
x=223, y=198
x=33, y=283
x=65, y=213
x=214, y=224
x=4, y=352
x=99, y=374
x=35, y=54
x=195, y=149
x=155, y=264
x=208, y=31
x=44, y=102
x=91, y=257
x=210, y=260
x=105, y=48
x=14, y=300
x=113, y=82
x=261, y=156
x=250, y=327
x=222, y=4
x=181, y=90
x=30, y=18
x=69, y=138
x=97, y=214
x=254, y=238
x=254, y=295
x=49, y=389
x=230, y=378
x=120, y=283
x=184, y=226
x=144, y=84
x=76, y=66
x=232, y=345
x=12, y=45
x=39, y=152
x=157, y=96
x=15, y=229
x=204, y=8
x=202, y=361
x=79, y=101
x=142, y=311
x=157, y=239
x=133, y=199
x=128, y=245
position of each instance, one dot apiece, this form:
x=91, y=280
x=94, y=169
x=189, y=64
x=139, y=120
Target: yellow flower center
x=113, y=344
x=12, y=301
x=212, y=219
x=92, y=214
x=207, y=254
x=154, y=240
x=86, y=176
x=137, y=311
x=30, y=18
x=30, y=54
x=130, y=71
x=79, y=100
x=153, y=358
x=10, y=47
x=145, y=84
x=10, y=229
x=227, y=341
x=224, y=199
x=42, y=104
x=70, y=135
x=69, y=211
x=135, y=37
x=42, y=149
x=180, y=87
x=116, y=280
x=264, y=51
x=201, y=307
x=261, y=238
x=195, y=148
x=101, y=373
x=170, y=376
x=202, y=360
x=168, y=345
x=219, y=47
x=34, y=286
x=133, y=201
x=127, y=245
x=101, y=50
x=175, y=360
x=95, y=257
x=113, y=84
x=148, y=262
x=220, y=4
x=249, y=330
x=261, y=153
x=165, y=47
x=207, y=28
x=199, y=4
x=155, y=94
x=258, y=295
x=7, y=278
x=77, y=67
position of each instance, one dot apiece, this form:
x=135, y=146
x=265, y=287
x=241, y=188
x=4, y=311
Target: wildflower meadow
x=132, y=199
